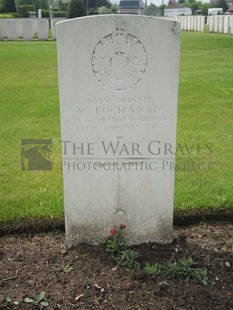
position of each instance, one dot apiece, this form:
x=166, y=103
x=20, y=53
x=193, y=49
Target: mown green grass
x=206, y=116
x=29, y=108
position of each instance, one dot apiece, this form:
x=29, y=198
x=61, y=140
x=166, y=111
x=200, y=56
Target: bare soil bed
x=86, y=277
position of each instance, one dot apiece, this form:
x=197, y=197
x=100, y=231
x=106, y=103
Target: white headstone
x=179, y=20
x=19, y=25
x=43, y=29
x=11, y=30
x=35, y=25
x=216, y=19
x=226, y=22
x=197, y=23
x=202, y=22
x=231, y=24
x=1, y=36
x=2, y=28
x=195, y=26
x=28, y=30
x=211, y=23
x=118, y=78
x=182, y=22
x=39, y=13
x=189, y=23
x=192, y=23
x=220, y=24
x=185, y=22
x=54, y=22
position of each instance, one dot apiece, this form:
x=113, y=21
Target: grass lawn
x=206, y=116
x=29, y=108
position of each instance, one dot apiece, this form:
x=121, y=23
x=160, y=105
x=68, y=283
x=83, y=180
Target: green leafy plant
x=184, y=269
x=39, y=300
x=116, y=245
x=187, y=269
x=125, y=256
x=14, y=302
x=128, y=258
x=67, y=268
x=154, y=270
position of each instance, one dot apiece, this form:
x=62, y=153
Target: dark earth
x=86, y=277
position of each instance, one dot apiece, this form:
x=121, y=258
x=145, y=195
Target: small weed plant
x=67, y=268
x=125, y=256
x=184, y=269
x=11, y=301
x=38, y=301
x=116, y=245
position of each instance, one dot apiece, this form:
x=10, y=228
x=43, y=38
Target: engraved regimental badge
x=119, y=60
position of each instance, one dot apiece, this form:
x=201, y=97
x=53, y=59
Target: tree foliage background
x=10, y=6
x=75, y=8
x=78, y=8
x=222, y=4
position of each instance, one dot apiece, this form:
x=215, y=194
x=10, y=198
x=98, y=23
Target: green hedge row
x=24, y=13
x=45, y=13
x=9, y=15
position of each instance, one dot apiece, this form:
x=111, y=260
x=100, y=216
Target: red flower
x=113, y=231
x=122, y=226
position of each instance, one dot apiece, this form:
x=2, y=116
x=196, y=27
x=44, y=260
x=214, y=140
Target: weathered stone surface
x=28, y=31
x=118, y=79
x=11, y=30
x=54, y=22
x=2, y=28
x=43, y=29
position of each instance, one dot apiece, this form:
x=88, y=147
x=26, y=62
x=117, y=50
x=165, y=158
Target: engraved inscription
x=119, y=113
x=119, y=60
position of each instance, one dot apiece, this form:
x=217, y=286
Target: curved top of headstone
x=117, y=53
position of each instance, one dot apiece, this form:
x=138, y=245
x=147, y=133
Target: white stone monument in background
x=226, y=24
x=118, y=80
x=39, y=13
x=11, y=30
x=43, y=29
x=54, y=22
x=231, y=24
x=28, y=31
x=2, y=28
